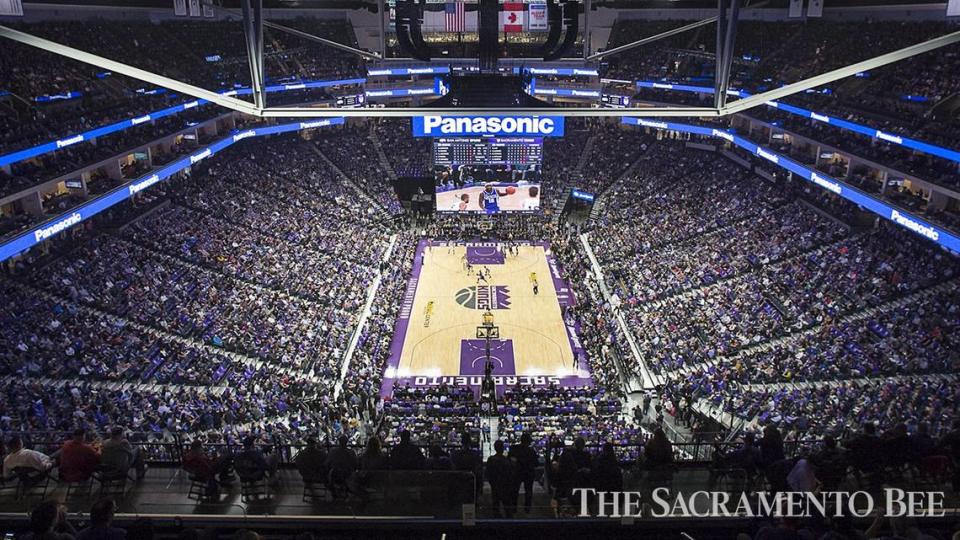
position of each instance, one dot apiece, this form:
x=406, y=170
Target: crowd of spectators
x=899, y=98
x=734, y=282
x=174, y=49
x=226, y=314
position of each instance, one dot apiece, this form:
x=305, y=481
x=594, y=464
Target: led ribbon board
x=583, y=195
x=892, y=138
x=567, y=72
x=478, y=126
x=900, y=217
x=405, y=71
x=71, y=140
x=89, y=209
x=534, y=90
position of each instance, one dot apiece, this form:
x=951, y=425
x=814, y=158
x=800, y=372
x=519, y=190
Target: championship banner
x=796, y=9
x=953, y=8
x=208, y=11
x=537, y=20
x=512, y=17
x=180, y=8
x=12, y=8
x=194, y=8
x=815, y=9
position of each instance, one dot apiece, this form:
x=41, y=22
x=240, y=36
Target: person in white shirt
x=532, y=202
x=24, y=457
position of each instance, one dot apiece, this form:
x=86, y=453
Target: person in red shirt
x=78, y=460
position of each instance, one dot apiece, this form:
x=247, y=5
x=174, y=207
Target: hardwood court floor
x=533, y=323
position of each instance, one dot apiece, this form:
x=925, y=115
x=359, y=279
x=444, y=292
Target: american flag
x=454, y=17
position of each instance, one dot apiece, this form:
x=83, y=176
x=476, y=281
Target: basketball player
x=481, y=277
x=489, y=199
x=486, y=271
x=536, y=288
x=532, y=202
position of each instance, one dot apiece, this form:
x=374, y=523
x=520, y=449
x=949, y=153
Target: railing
x=168, y=450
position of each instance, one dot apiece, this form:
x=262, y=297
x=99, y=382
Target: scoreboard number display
x=488, y=151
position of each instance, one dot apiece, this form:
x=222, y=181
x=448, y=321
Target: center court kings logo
x=484, y=297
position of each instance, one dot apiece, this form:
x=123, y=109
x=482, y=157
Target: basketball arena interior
x=310, y=269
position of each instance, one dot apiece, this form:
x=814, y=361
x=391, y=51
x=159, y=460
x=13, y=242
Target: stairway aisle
x=490, y=425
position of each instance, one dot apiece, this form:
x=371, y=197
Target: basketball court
x=435, y=340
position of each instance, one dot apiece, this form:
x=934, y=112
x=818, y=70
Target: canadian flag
x=512, y=17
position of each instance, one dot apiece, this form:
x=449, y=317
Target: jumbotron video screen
x=488, y=174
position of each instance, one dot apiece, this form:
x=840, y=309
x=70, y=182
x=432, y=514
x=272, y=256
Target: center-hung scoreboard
x=487, y=150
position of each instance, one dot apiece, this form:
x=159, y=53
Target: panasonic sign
x=244, y=135
x=820, y=117
x=473, y=126
x=723, y=135
x=57, y=227
x=67, y=142
x=140, y=120
x=889, y=137
x=314, y=124
x=824, y=183
x=768, y=156
x=658, y=125
x=202, y=155
x=915, y=226
x=137, y=187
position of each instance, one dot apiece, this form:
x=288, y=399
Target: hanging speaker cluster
x=409, y=32
x=489, y=33
x=561, y=18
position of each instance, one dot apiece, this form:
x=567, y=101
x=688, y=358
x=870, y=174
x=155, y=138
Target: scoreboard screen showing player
x=487, y=174
x=488, y=197
x=488, y=151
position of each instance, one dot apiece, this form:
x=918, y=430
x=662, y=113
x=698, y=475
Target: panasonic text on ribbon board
x=472, y=126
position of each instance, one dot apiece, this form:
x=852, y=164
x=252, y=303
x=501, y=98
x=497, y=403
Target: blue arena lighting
x=85, y=211
x=906, y=142
x=101, y=131
x=901, y=217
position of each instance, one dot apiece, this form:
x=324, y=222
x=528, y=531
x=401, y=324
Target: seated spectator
x=101, y=519
x=117, y=456
x=607, y=474
x=438, y=460
x=48, y=521
x=575, y=465
x=312, y=462
x=206, y=469
x=405, y=456
x=77, y=459
x=341, y=462
x=865, y=449
x=771, y=446
x=24, y=458
x=830, y=463
x=250, y=463
x=658, y=453
x=747, y=457
x=373, y=458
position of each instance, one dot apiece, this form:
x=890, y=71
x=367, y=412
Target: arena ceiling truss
x=254, y=23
